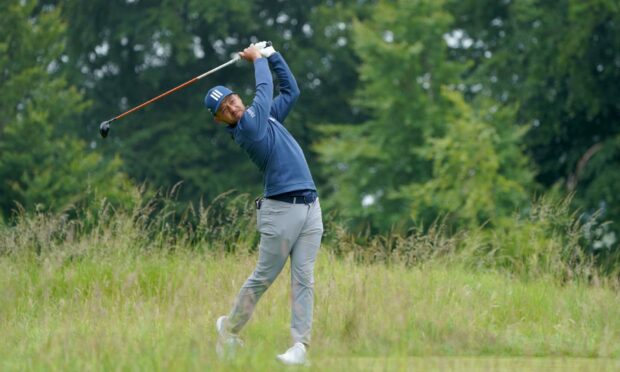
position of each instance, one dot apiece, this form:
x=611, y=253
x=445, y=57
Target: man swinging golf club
x=289, y=215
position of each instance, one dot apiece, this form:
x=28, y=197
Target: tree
x=419, y=153
x=41, y=164
x=559, y=63
x=480, y=174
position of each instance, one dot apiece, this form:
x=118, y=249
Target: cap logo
x=216, y=94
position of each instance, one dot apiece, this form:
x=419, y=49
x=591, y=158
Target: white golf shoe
x=227, y=343
x=296, y=355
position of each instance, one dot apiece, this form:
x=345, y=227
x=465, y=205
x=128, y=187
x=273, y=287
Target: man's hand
x=265, y=48
x=267, y=51
x=250, y=53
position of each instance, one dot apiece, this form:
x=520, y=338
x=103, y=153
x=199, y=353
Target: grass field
x=131, y=309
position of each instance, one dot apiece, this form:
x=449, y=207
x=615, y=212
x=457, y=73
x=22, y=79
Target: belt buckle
x=258, y=202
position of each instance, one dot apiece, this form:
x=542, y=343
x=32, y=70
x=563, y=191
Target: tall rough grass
x=548, y=241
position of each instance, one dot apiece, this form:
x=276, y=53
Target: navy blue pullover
x=260, y=132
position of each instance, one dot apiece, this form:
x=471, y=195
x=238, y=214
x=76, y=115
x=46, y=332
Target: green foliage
x=479, y=175
x=42, y=165
x=401, y=74
x=559, y=62
x=425, y=152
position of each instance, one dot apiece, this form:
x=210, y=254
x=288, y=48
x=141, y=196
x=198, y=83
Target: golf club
x=104, y=127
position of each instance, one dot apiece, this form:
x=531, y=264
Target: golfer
x=289, y=215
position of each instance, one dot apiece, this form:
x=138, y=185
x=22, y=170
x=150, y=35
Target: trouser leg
x=303, y=257
x=267, y=269
x=279, y=225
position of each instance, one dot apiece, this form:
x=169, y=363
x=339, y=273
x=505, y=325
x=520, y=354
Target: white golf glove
x=265, y=48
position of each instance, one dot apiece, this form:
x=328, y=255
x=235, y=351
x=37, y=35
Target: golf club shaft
x=189, y=82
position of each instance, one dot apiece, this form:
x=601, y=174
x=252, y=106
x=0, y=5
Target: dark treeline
x=411, y=110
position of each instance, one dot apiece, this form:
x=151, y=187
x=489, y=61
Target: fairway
x=110, y=310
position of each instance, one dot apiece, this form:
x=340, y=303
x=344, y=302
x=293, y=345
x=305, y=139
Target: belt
x=303, y=199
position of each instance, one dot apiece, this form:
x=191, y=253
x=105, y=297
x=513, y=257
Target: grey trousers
x=286, y=229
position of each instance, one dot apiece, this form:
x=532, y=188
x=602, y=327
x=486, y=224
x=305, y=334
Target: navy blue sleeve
x=289, y=91
x=254, y=123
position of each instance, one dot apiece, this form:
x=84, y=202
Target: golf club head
x=104, y=128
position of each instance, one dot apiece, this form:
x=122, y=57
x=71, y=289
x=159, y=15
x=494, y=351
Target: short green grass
x=140, y=310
